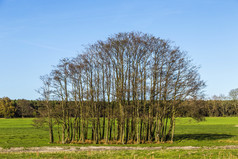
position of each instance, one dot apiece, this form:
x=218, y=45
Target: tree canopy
x=128, y=88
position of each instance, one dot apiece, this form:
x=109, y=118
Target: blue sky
x=35, y=34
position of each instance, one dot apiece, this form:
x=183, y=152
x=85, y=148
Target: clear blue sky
x=35, y=34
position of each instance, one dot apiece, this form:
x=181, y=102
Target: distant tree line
x=214, y=107
x=18, y=108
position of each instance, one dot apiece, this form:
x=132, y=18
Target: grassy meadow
x=149, y=154
x=214, y=131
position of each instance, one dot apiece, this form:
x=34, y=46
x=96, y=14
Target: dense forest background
x=216, y=107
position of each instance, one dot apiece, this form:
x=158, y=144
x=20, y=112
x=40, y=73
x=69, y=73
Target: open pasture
x=208, y=136
x=214, y=131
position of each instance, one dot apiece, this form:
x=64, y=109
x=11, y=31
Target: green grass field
x=165, y=154
x=215, y=131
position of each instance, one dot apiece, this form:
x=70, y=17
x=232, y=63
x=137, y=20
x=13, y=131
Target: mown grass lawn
x=215, y=131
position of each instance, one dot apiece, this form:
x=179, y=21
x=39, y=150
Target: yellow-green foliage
x=7, y=108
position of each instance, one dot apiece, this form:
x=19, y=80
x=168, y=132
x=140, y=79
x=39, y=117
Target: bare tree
x=46, y=92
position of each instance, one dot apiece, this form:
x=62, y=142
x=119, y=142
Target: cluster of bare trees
x=126, y=89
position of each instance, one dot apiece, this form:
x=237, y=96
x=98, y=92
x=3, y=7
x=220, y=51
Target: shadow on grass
x=201, y=137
